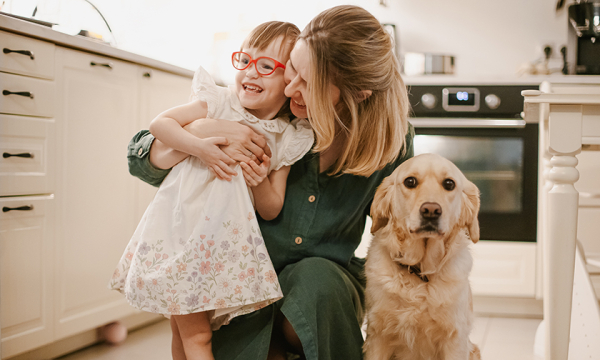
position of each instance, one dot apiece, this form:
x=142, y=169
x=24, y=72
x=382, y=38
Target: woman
x=343, y=76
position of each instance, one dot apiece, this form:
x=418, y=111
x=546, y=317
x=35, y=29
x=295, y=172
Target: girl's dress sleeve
x=297, y=140
x=205, y=89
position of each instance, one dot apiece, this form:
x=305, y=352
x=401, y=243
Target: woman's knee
x=320, y=276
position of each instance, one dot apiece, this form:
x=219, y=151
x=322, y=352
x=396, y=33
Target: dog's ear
x=381, y=210
x=470, y=209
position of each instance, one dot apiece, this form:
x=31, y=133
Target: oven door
x=501, y=158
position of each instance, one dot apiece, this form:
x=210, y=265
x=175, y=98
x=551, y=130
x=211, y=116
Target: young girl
x=198, y=254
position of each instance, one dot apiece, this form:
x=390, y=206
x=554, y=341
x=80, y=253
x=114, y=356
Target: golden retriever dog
x=418, y=296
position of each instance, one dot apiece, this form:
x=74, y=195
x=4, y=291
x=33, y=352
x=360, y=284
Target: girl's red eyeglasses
x=264, y=65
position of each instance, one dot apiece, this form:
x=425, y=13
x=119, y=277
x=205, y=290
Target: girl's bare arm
x=269, y=193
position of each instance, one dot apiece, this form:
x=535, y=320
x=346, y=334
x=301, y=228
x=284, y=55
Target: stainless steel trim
x=466, y=123
x=447, y=91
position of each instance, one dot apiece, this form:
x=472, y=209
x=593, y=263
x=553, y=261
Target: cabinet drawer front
x=27, y=162
x=26, y=245
x=23, y=95
x=21, y=62
x=503, y=268
x=97, y=64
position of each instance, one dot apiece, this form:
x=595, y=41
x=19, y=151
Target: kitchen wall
x=488, y=37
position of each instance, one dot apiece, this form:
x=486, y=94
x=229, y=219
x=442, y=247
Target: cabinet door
x=158, y=92
x=94, y=191
x=26, y=243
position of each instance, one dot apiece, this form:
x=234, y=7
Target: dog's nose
x=431, y=210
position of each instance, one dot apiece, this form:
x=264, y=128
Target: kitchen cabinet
x=73, y=204
x=95, y=193
x=158, y=91
x=27, y=170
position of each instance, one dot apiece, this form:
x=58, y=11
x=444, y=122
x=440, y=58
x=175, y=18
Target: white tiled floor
x=498, y=338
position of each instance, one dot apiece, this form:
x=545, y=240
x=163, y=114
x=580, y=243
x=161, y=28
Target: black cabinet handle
x=22, y=52
x=20, y=208
x=106, y=65
x=23, y=155
x=147, y=74
x=20, y=93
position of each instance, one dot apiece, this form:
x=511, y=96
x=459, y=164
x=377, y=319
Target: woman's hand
x=210, y=153
x=244, y=142
x=254, y=173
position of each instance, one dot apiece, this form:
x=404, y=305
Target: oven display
x=461, y=98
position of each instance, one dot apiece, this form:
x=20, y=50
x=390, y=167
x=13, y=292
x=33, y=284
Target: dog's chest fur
x=418, y=317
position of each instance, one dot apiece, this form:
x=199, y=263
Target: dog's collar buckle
x=415, y=269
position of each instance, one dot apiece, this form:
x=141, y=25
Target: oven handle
x=466, y=123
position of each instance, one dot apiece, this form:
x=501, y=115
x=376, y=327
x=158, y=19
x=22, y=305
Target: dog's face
x=422, y=202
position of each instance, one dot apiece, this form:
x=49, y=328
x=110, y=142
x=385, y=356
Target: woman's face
x=297, y=72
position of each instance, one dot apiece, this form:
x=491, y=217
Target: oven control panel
x=489, y=101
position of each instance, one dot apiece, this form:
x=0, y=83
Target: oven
x=481, y=129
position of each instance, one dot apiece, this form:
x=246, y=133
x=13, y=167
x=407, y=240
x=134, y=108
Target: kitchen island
x=570, y=118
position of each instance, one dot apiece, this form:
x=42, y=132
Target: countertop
x=82, y=43
x=500, y=80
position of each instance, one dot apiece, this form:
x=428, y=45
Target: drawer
x=35, y=97
x=503, y=268
x=28, y=155
x=96, y=64
x=42, y=64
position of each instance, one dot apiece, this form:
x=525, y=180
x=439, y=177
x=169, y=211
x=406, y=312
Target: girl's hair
x=350, y=49
x=263, y=35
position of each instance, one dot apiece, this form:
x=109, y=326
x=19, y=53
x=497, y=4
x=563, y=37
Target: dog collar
x=414, y=269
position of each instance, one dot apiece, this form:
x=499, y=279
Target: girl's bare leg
x=176, y=344
x=196, y=335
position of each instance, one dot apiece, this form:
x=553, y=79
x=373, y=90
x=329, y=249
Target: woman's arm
x=268, y=191
x=144, y=148
x=138, y=159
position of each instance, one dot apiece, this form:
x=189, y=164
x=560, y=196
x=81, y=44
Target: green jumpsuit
x=311, y=244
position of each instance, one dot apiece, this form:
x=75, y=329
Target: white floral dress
x=198, y=246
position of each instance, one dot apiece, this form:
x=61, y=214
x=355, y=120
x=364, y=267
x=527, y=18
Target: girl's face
x=297, y=72
x=262, y=96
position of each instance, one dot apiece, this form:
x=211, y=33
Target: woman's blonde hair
x=350, y=49
x=263, y=35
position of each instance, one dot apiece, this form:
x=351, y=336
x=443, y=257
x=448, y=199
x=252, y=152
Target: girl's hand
x=254, y=174
x=210, y=153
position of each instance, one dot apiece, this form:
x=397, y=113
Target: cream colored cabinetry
x=95, y=193
x=70, y=203
x=27, y=183
x=158, y=91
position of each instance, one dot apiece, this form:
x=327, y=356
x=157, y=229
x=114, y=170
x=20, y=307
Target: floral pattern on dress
x=227, y=269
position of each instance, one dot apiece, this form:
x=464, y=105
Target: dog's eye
x=449, y=184
x=410, y=182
